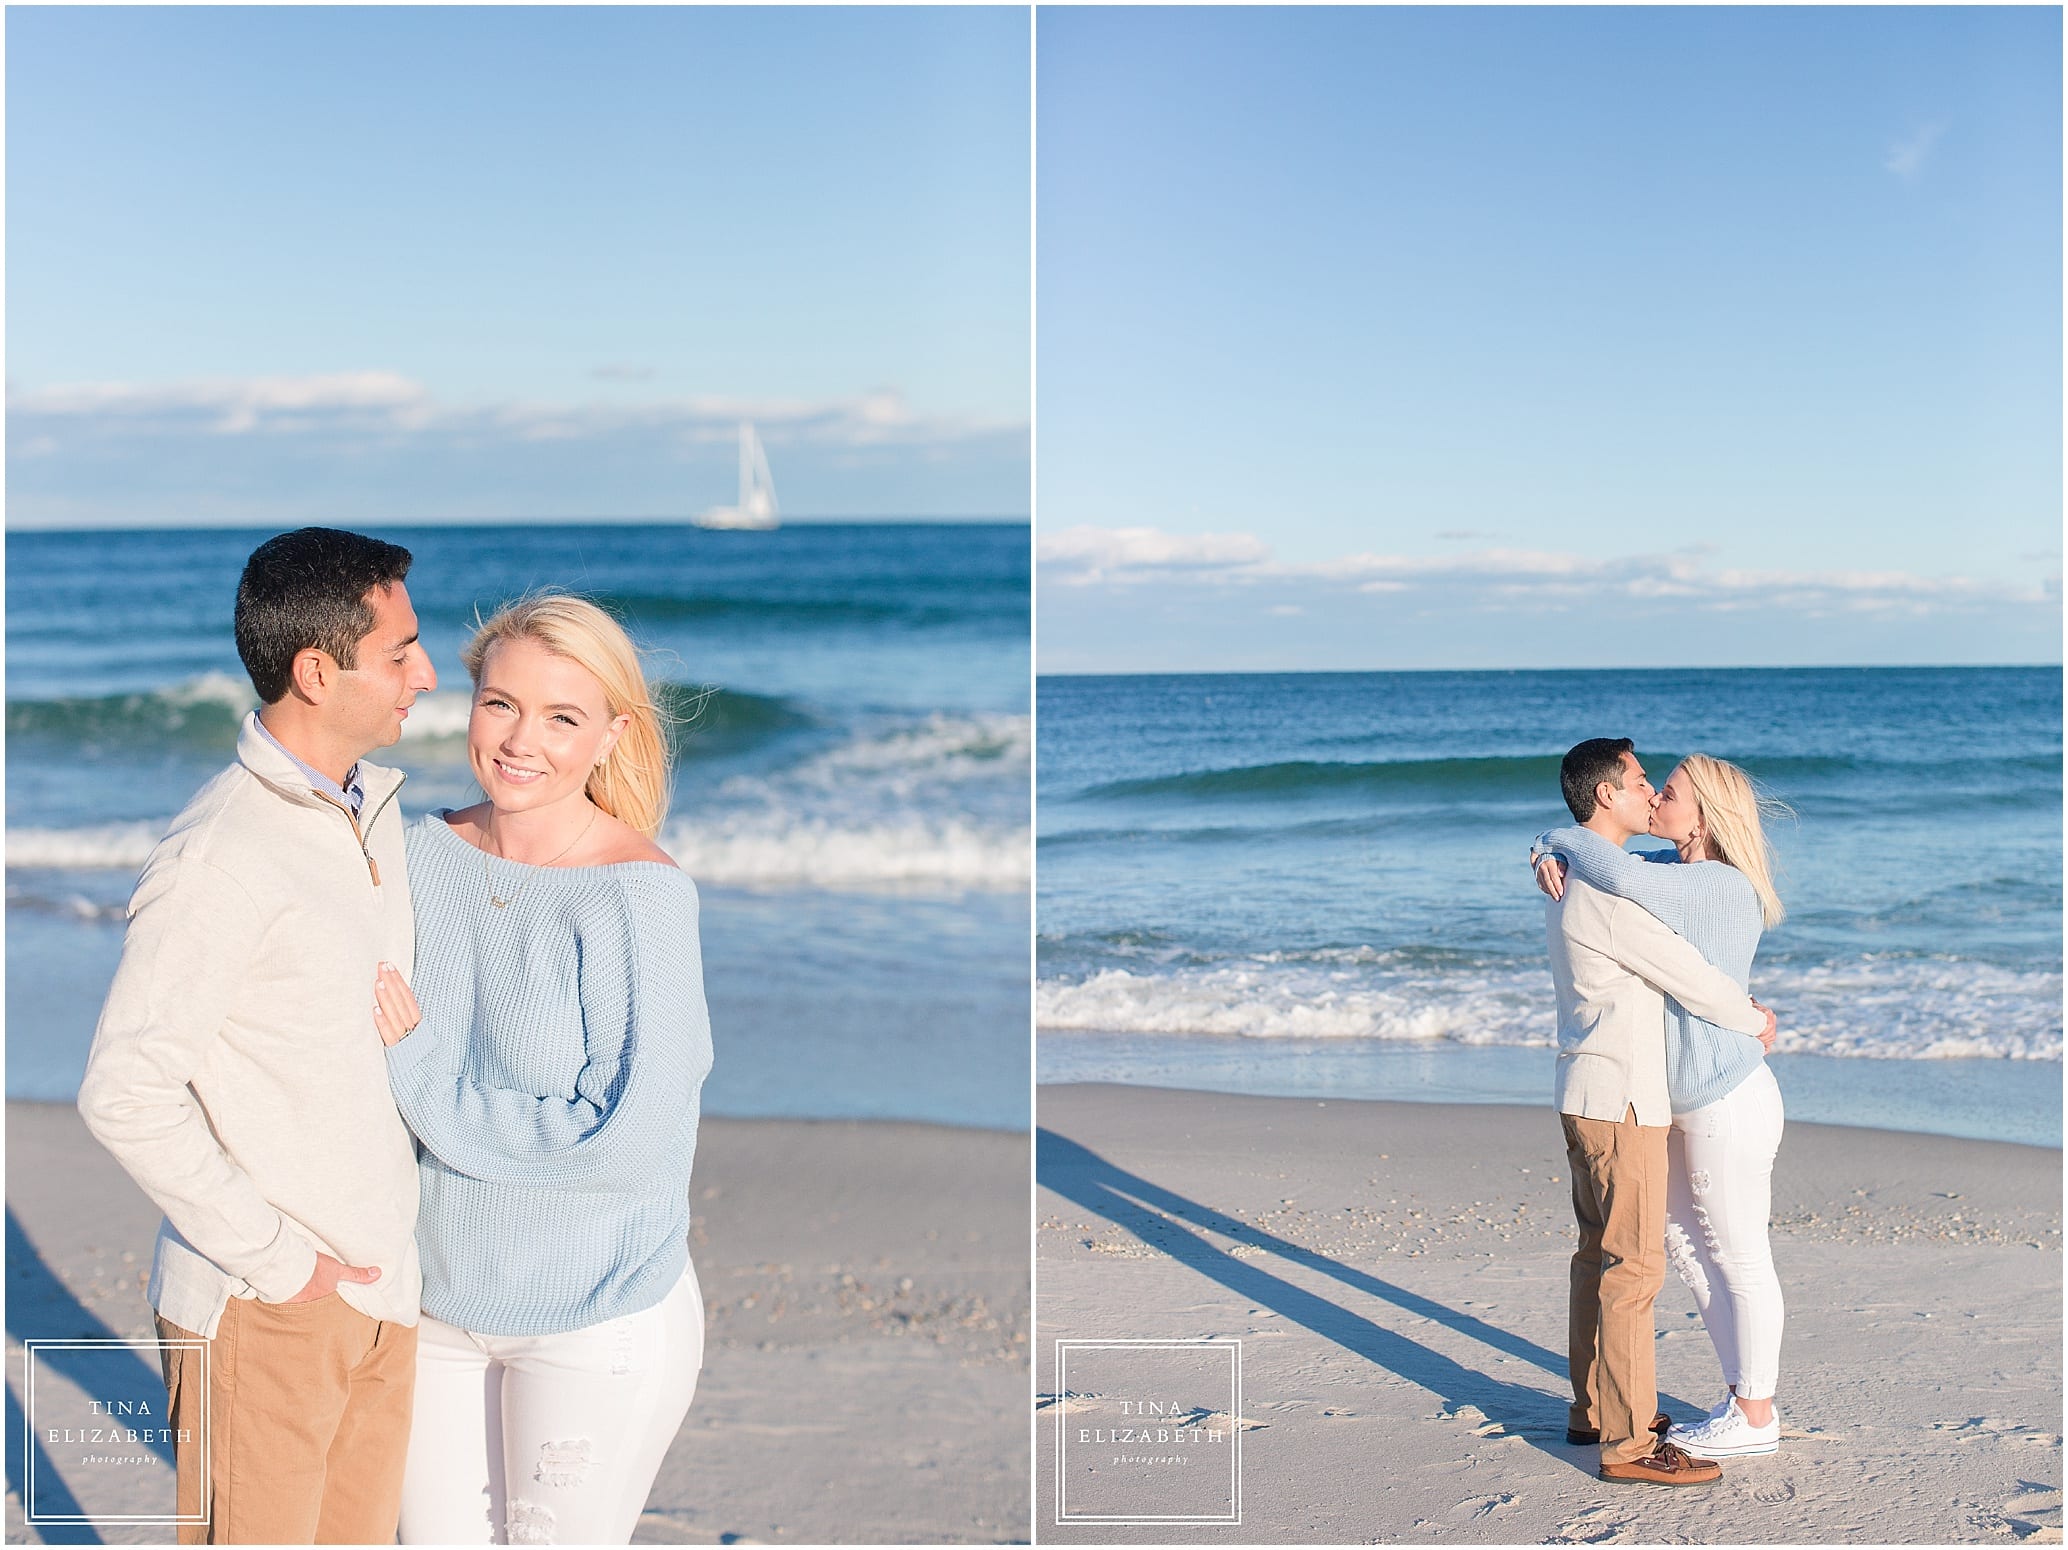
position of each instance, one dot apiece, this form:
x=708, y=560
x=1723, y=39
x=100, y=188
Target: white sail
x=757, y=505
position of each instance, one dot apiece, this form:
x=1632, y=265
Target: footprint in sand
x=1774, y=1492
x=1225, y=1422
x=1986, y=1525
x=2034, y=1513
x=1474, y=1418
x=1073, y=1401
x=1485, y=1506
x=1987, y=1428
x=1595, y=1526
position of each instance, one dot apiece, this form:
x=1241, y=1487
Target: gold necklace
x=487, y=872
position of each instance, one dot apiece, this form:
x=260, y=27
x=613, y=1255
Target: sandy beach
x=1396, y=1273
x=865, y=1374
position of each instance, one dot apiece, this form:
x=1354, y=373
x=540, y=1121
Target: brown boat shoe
x=1664, y=1465
x=1660, y=1424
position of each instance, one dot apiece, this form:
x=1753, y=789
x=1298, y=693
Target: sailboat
x=757, y=507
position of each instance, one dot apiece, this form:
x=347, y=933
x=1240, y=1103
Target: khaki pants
x=307, y=1424
x=1619, y=1198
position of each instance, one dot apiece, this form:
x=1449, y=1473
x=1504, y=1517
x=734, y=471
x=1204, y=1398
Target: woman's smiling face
x=540, y=725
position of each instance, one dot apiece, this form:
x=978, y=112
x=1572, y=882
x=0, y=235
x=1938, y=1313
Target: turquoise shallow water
x=1288, y=882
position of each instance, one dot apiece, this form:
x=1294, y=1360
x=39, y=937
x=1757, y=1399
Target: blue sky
x=1490, y=337
x=268, y=264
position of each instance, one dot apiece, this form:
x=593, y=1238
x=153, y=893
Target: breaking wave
x=1877, y=1006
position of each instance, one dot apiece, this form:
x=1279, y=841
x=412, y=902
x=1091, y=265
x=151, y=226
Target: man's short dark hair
x=1586, y=766
x=308, y=588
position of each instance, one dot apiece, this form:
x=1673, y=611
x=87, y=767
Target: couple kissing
x=1671, y=1115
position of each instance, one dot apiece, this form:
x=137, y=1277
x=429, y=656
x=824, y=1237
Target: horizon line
x=1689, y=667
x=242, y=525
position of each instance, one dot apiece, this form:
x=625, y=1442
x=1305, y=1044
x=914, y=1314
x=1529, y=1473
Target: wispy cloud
x=366, y=444
x=1081, y=555
x=1907, y=156
x=1508, y=579
x=342, y=405
x=235, y=406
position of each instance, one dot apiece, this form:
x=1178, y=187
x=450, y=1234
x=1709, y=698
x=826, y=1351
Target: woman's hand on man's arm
x=395, y=1012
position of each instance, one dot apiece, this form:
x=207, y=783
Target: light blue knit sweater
x=553, y=1085
x=1709, y=903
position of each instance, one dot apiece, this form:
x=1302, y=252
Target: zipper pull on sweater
x=358, y=836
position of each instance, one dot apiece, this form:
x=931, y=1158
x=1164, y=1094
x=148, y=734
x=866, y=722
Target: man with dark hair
x=237, y=1075
x=1613, y=964
x=1586, y=765
x=310, y=589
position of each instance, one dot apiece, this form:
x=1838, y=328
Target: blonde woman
x=550, y=1064
x=1727, y=1113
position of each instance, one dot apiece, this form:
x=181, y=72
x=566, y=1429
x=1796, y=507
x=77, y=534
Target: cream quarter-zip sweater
x=1613, y=966
x=236, y=1072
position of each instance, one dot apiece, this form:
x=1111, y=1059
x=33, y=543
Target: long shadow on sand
x=1159, y=1217
x=41, y=1307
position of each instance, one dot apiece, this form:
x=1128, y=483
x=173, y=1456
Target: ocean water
x=1318, y=883
x=851, y=795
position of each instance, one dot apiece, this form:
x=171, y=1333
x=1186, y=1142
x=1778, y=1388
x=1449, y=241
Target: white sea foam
x=937, y=804
x=73, y=906
x=226, y=689
x=123, y=845
x=440, y=714
x=1916, y=1008
x=905, y=856
x=1256, y=1002
x=764, y=851
x=1875, y=1006
x=963, y=745
x=911, y=761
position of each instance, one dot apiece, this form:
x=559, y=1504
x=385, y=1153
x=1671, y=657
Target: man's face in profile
x=391, y=669
x=1632, y=805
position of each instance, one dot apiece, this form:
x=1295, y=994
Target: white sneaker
x=1726, y=1434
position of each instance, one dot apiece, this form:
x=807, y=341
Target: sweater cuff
x=286, y=1267
x=406, y=1059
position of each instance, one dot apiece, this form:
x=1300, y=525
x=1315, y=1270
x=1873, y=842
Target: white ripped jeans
x=1719, y=1198
x=548, y=1439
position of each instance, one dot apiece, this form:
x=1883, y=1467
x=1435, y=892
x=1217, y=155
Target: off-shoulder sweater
x=553, y=1084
